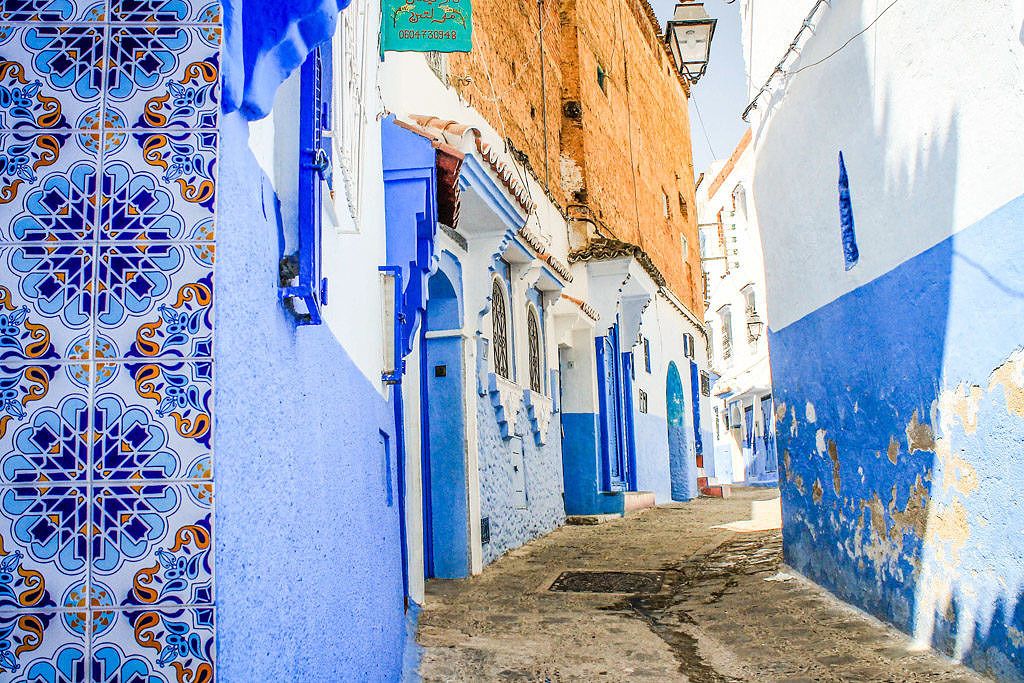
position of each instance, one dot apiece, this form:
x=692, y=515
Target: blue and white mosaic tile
x=108, y=176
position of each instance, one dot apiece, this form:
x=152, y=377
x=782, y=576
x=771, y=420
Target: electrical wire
x=793, y=47
x=847, y=43
x=707, y=137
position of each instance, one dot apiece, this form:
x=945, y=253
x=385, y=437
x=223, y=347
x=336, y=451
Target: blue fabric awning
x=265, y=40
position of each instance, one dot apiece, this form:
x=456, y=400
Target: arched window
x=499, y=328
x=533, y=345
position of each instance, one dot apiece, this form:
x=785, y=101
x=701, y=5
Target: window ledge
x=539, y=410
x=506, y=398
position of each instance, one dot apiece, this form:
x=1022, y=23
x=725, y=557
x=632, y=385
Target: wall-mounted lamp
x=755, y=326
x=689, y=35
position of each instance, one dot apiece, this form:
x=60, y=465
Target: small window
x=642, y=401
x=705, y=384
x=647, y=355
x=499, y=328
x=739, y=201
x=685, y=245
x=688, y=345
x=602, y=78
x=533, y=344
x=718, y=432
x=666, y=206
x=726, y=333
x=684, y=209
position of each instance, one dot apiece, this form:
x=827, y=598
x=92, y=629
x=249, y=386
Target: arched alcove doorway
x=445, y=505
x=681, y=468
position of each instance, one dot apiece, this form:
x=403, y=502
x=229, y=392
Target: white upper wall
x=353, y=224
x=926, y=107
x=768, y=28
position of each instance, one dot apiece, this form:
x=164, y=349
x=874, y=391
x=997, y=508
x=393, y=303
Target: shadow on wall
x=306, y=509
x=900, y=405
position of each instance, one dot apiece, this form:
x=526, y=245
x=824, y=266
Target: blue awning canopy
x=265, y=42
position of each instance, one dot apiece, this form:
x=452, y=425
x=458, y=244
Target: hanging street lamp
x=689, y=35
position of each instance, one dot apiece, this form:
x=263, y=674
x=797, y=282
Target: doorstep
x=639, y=500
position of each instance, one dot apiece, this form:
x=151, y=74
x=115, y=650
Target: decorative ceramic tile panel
x=108, y=170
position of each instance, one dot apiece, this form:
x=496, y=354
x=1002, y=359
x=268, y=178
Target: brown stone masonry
x=605, y=127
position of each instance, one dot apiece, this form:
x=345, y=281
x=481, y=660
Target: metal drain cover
x=608, y=582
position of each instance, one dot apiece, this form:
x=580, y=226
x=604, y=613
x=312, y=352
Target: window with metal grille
x=533, y=345
x=647, y=354
x=705, y=384
x=688, y=345
x=499, y=328
x=642, y=401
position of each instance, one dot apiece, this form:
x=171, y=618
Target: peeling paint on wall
x=919, y=436
x=833, y=454
x=893, y=450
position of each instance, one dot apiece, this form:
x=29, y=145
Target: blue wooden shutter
x=307, y=293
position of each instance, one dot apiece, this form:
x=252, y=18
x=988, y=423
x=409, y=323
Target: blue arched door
x=681, y=469
x=445, y=504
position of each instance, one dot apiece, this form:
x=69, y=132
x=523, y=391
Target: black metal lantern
x=755, y=326
x=689, y=35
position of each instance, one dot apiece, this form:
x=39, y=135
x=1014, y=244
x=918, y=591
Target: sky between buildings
x=720, y=96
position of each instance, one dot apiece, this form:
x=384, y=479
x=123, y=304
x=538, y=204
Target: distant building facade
x=736, y=321
x=891, y=214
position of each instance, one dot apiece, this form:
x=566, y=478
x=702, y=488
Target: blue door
x=748, y=441
x=768, y=420
x=613, y=430
x=683, y=475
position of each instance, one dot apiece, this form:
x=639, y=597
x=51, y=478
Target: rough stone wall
x=501, y=78
x=610, y=154
x=632, y=138
x=510, y=526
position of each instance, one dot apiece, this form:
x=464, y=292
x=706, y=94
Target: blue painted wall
x=512, y=526
x=581, y=467
x=309, y=580
x=907, y=503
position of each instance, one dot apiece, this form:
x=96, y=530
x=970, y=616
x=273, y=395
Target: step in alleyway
x=716, y=606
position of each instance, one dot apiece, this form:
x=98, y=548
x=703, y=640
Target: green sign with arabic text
x=427, y=25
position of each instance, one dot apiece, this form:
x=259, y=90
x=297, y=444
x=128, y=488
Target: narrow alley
x=716, y=605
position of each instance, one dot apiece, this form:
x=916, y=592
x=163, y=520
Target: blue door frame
x=618, y=448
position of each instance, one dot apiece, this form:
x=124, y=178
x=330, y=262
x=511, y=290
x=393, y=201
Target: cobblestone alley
x=726, y=610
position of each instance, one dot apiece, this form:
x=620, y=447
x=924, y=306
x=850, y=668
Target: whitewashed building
x=735, y=318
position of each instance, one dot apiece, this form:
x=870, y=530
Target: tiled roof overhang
x=607, y=248
x=454, y=134
x=449, y=163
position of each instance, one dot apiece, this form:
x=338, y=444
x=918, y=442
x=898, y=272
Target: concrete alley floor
x=726, y=612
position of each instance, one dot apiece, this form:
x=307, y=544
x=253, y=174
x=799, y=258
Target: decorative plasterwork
x=538, y=410
x=507, y=400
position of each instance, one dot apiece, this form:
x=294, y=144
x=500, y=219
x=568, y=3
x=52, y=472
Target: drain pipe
x=808, y=25
x=394, y=379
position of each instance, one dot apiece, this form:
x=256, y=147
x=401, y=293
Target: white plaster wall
x=663, y=325
x=943, y=86
x=747, y=373
x=353, y=247
x=768, y=28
